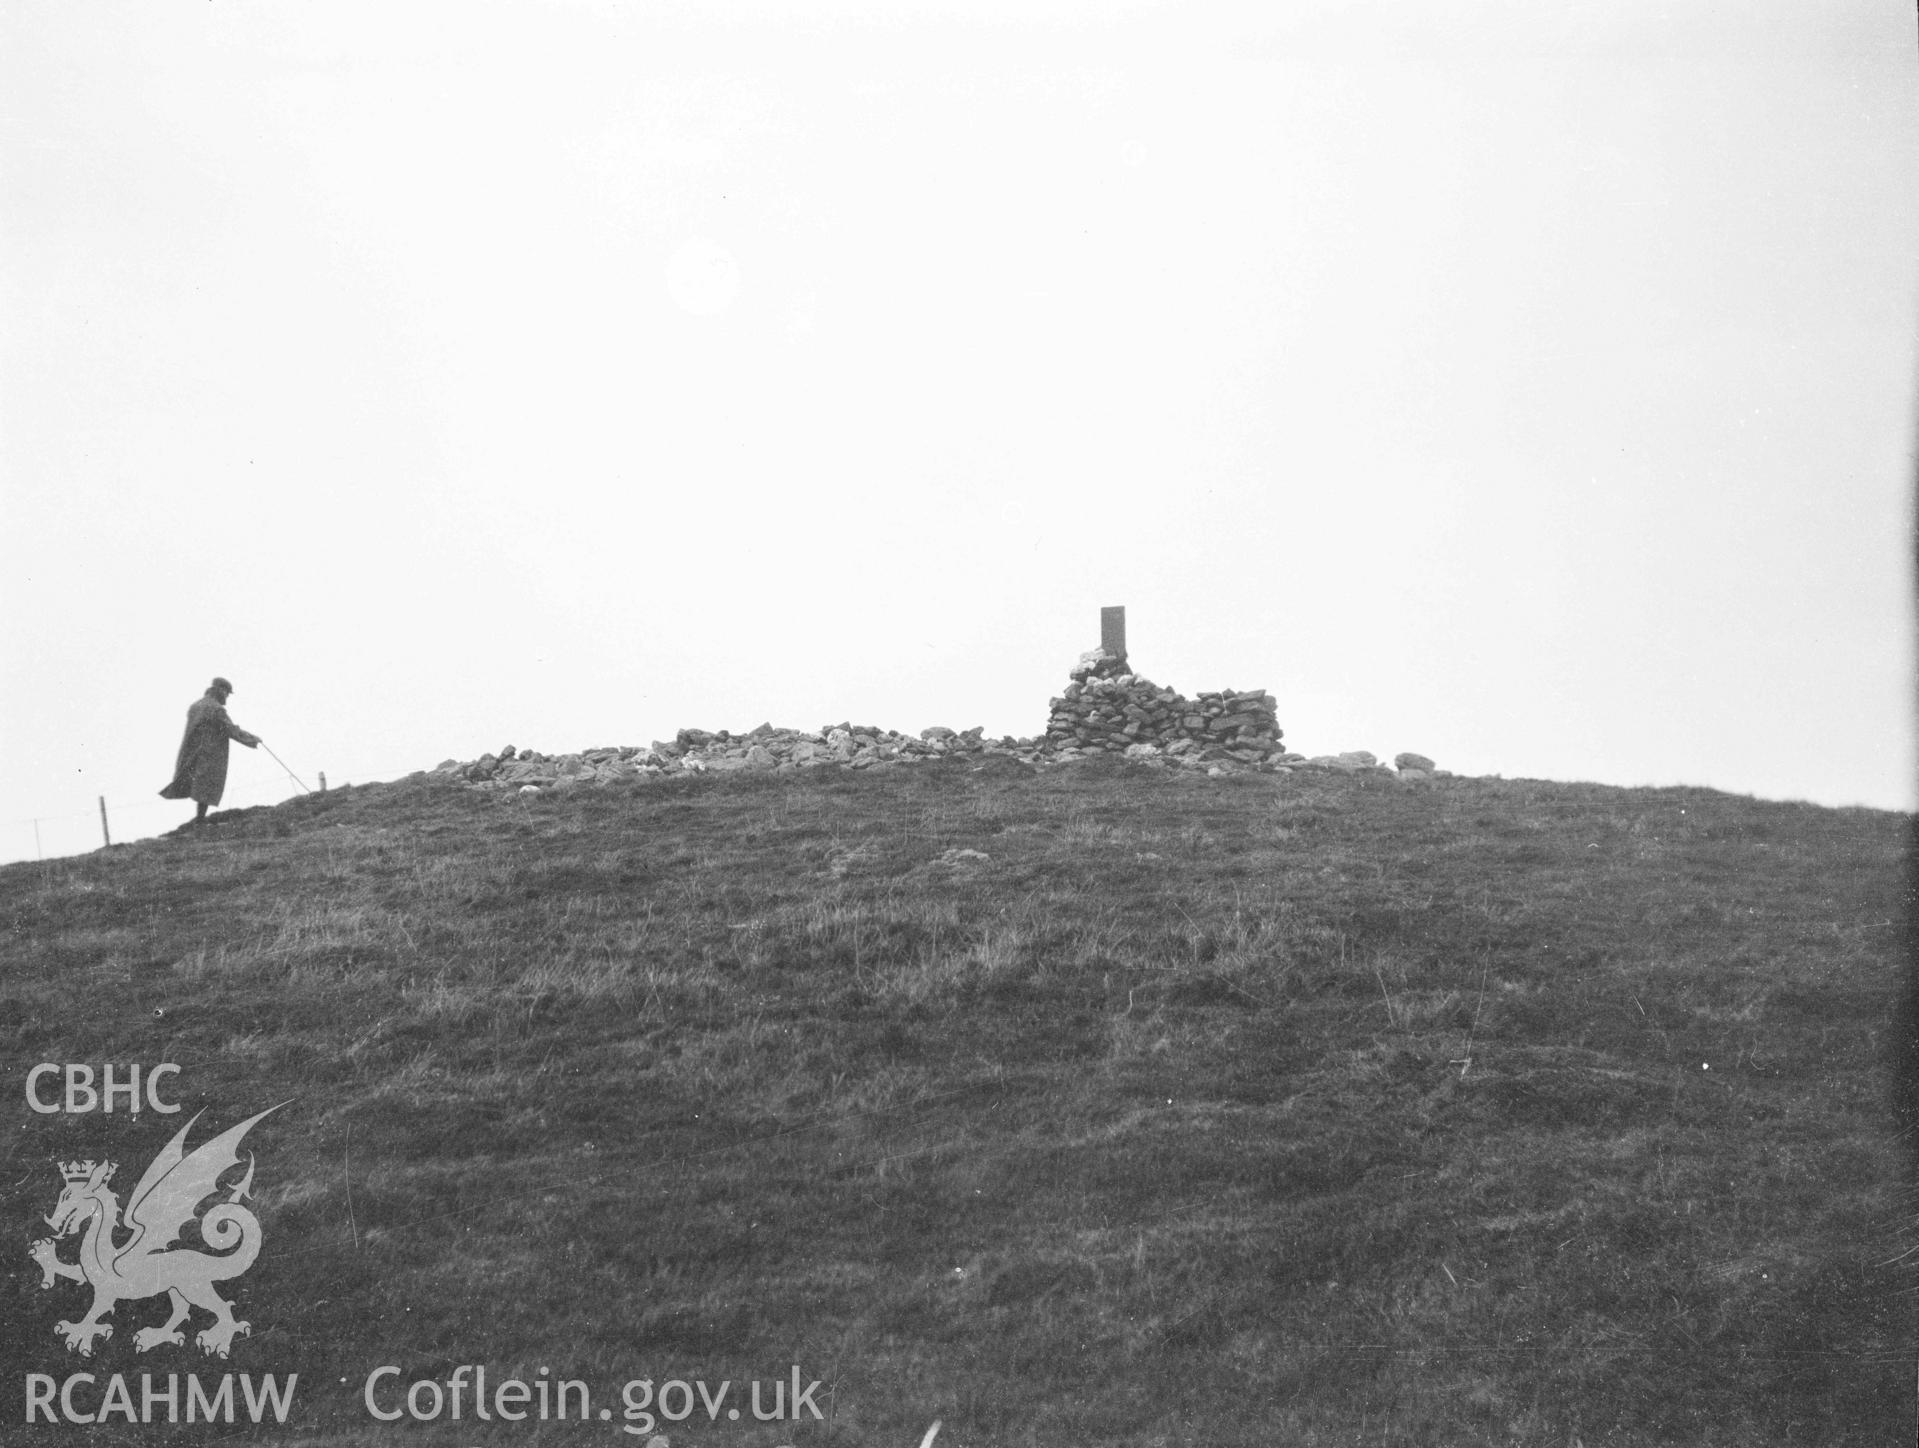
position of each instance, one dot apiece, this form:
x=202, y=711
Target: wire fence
x=122, y=820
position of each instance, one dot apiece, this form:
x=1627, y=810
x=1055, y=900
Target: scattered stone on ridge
x=1106, y=709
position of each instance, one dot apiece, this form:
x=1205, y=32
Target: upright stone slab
x=1112, y=633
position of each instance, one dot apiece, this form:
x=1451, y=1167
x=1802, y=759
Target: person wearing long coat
x=200, y=773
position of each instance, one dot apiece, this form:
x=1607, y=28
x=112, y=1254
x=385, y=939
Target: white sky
x=1529, y=385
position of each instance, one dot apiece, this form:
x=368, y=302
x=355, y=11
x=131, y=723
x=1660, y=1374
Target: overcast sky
x=1530, y=385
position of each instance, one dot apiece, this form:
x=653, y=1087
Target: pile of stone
x=1412, y=767
x=1106, y=712
x=856, y=746
x=693, y=751
x=1101, y=663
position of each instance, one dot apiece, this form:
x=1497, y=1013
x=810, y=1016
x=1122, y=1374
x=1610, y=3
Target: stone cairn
x=1235, y=735
x=1106, y=710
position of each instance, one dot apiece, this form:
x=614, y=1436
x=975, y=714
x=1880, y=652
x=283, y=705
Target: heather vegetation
x=1094, y=1105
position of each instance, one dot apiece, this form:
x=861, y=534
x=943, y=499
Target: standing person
x=200, y=773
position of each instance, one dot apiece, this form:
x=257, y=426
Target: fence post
x=323, y=781
x=38, y=853
x=103, y=820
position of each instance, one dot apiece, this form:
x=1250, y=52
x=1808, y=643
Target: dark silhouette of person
x=200, y=773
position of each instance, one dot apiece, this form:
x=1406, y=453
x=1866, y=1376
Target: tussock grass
x=1091, y=1107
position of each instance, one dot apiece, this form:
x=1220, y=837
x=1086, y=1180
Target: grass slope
x=1256, y=1110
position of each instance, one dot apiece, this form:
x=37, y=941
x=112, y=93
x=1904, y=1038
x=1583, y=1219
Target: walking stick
x=283, y=764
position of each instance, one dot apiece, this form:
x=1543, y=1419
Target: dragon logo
x=152, y=1260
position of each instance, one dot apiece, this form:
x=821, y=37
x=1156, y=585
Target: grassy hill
x=1094, y=1106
